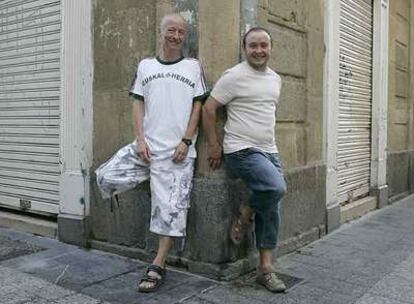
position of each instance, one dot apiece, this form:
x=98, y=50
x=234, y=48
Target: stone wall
x=297, y=29
x=125, y=32
x=400, y=99
x=298, y=56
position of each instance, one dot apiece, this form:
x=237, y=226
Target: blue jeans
x=263, y=174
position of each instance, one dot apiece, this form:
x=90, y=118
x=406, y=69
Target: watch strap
x=187, y=141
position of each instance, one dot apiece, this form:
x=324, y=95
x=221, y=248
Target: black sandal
x=157, y=282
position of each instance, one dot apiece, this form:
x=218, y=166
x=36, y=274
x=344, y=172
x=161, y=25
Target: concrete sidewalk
x=368, y=261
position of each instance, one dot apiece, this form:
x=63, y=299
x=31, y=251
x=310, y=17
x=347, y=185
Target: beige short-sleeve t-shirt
x=250, y=97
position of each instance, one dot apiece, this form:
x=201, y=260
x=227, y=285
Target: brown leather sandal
x=155, y=280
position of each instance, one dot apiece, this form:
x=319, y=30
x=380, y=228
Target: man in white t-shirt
x=250, y=92
x=167, y=92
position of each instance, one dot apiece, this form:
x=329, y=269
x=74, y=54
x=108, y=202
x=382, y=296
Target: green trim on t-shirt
x=136, y=96
x=202, y=98
x=169, y=62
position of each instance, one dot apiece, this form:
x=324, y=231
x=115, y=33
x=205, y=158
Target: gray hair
x=167, y=17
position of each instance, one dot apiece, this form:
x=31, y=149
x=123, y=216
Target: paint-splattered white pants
x=170, y=185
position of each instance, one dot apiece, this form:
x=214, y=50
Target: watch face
x=188, y=142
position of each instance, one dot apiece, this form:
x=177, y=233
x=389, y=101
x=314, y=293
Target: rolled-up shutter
x=29, y=104
x=355, y=99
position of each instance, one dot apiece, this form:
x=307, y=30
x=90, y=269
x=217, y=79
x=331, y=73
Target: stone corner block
x=381, y=194
x=73, y=229
x=333, y=218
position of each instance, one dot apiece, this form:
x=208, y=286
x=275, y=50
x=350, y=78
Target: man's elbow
x=208, y=110
x=205, y=114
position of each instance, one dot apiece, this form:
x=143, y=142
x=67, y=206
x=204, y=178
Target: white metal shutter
x=29, y=104
x=355, y=99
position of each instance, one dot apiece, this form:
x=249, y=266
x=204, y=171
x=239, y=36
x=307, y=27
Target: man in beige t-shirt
x=250, y=92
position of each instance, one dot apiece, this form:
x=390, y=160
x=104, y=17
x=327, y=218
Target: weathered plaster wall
x=400, y=99
x=219, y=40
x=400, y=102
x=297, y=30
x=125, y=32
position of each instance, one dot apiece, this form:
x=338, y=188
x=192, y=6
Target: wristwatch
x=187, y=141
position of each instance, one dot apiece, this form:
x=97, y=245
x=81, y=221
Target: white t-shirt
x=251, y=98
x=168, y=90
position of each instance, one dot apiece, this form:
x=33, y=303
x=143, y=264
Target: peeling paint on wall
x=189, y=10
x=248, y=15
x=108, y=30
x=248, y=18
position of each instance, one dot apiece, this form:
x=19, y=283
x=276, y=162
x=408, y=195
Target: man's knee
x=277, y=193
x=275, y=188
x=268, y=198
x=266, y=177
x=280, y=190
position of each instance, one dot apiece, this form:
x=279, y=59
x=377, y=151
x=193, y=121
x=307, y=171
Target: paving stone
x=338, y=298
x=39, y=259
x=222, y=295
x=303, y=293
x=339, y=287
x=40, y=301
x=305, y=271
x=406, y=244
x=17, y=287
x=320, y=274
x=10, y=248
x=79, y=268
x=406, y=269
x=186, y=288
x=50, y=243
x=50, y=292
x=367, y=261
x=395, y=287
x=120, y=289
x=342, y=270
x=17, y=297
x=362, y=241
x=195, y=300
x=375, y=299
x=123, y=289
x=375, y=228
x=256, y=292
x=14, y=235
x=13, y=281
x=33, y=287
x=79, y=299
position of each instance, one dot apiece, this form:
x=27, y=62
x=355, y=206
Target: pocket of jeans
x=237, y=163
x=277, y=161
x=279, y=165
x=241, y=153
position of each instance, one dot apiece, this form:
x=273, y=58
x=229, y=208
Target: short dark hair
x=256, y=29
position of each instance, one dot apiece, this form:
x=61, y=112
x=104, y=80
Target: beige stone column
x=76, y=107
x=411, y=75
x=76, y=121
x=219, y=49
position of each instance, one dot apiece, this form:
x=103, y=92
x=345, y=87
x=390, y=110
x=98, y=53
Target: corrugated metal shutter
x=29, y=104
x=355, y=99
